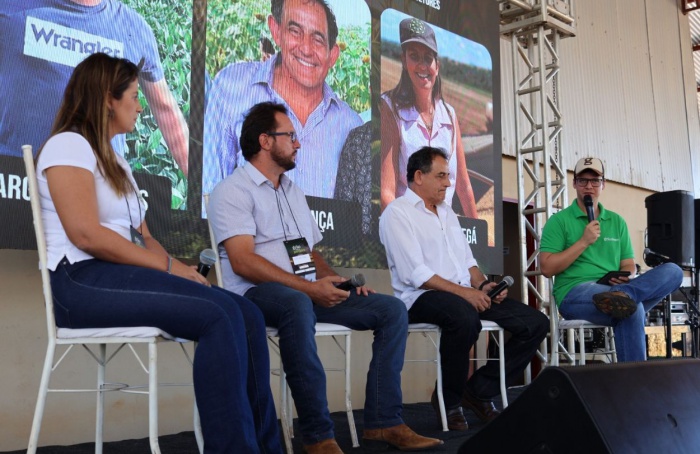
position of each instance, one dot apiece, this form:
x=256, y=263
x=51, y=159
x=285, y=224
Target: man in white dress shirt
x=435, y=274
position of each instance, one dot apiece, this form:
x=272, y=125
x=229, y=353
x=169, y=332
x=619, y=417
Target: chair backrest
x=40, y=238
x=217, y=264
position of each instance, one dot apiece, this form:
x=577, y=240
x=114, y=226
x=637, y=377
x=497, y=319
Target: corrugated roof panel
x=593, y=88
x=623, y=94
x=669, y=97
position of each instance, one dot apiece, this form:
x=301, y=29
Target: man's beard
x=287, y=163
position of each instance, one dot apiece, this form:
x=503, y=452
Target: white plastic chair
x=322, y=330
x=496, y=333
x=99, y=337
x=286, y=413
x=433, y=333
x=575, y=330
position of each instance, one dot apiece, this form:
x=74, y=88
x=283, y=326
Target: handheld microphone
x=588, y=202
x=206, y=259
x=504, y=284
x=357, y=280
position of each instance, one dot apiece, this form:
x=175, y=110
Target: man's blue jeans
x=295, y=316
x=231, y=363
x=647, y=289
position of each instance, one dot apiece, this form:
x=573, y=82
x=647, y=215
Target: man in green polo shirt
x=579, y=252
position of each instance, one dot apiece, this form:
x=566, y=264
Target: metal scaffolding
x=535, y=29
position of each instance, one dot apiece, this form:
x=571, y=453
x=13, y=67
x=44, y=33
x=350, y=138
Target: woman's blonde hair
x=85, y=110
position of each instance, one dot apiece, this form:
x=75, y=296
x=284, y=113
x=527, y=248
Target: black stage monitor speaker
x=670, y=229
x=627, y=408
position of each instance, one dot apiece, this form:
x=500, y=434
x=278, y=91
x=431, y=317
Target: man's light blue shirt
x=236, y=89
x=247, y=203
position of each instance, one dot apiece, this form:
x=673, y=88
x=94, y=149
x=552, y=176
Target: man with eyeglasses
x=580, y=252
x=265, y=235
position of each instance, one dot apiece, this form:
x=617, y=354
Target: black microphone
x=588, y=202
x=648, y=253
x=206, y=259
x=357, y=280
x=504, y=284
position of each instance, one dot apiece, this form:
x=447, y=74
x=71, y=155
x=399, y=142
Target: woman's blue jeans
x=231, y=363
x=647, y=289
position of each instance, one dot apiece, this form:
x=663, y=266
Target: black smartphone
x=605, y=280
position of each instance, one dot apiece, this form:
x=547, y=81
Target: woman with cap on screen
x=414, y=114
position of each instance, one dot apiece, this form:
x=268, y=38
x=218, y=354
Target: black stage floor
x=420, y=417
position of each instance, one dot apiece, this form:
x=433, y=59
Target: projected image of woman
x=414, y=114
x=108, y=271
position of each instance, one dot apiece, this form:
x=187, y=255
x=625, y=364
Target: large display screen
x=343, y=68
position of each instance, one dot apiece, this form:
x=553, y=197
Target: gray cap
x=416, y=31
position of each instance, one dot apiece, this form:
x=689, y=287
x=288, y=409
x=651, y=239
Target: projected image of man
x=41, y=41
x=305, y=32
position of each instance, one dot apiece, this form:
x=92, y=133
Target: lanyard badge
x=300, y=256
x=137, y=238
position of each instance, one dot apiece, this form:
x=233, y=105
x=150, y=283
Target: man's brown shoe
x=455, y=417
x=400, y=437
x=328, y=446
x=484, y=409
x=615, y=304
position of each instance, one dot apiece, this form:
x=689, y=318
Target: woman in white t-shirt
x=414, y=114
x=107, y=269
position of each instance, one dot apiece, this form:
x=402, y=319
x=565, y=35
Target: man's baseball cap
x=592, y=164
x=414, y=30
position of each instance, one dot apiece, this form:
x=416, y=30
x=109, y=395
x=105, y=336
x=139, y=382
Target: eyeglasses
x=292, y=135
x=583, y=182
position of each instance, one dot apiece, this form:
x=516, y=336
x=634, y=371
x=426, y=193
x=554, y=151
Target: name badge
x=137, y=238
x=300, y=256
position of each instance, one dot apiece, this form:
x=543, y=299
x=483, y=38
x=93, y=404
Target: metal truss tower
x=535, y=28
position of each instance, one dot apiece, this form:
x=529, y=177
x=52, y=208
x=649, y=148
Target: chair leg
x=571, y=342
x=348, y=401
x=441, y=400
x=527, y=374
x=610, y=337
x=284, y=409
x=197, y=423
x=100, y=412
x=554, y=339
x=582, y=346
x=198, y=429
x=41, y=399
x=502, y=368
x=290, y=409
x=153, y=397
